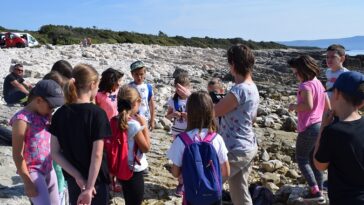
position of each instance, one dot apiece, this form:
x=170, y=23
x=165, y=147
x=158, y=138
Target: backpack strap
x=150, y=91
x=209, y=137
x=175, y=102
x=185, y=138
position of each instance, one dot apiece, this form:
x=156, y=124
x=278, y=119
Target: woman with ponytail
x=78, y=129
x=138, y=137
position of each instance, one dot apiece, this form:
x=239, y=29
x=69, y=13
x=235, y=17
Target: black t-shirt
x=342, y=145
x=8, y=87
x=76, y=127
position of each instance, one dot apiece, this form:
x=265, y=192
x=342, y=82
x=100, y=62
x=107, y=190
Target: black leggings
x=133, y=189
x=101, y=197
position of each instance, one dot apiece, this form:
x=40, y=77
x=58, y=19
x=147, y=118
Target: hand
x=292, y=107
x=151, y=124
x=81, y=182
x=327, y=118
x=140, y=119
x=85, y=197
x=30, y=189
x=182, y=91
x=184, y=115
x=177, y=115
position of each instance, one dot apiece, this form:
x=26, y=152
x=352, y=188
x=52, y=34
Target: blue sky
x=267, y=20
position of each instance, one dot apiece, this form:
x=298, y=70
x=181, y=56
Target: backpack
x=116, y=148
x=201, y=170
x=261, y=195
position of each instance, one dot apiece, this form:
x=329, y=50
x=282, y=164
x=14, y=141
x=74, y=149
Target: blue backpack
x=201, y=171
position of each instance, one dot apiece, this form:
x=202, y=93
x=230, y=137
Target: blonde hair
x=82, y=76
x=127, y=96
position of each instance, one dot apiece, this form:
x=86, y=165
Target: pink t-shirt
x=307, y=118
x=37, y=139
x=108, y=102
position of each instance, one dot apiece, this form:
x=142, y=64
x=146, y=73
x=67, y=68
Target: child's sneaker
x=179, y=190
x=319, y=197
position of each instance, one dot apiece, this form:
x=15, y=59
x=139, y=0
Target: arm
x=327, y=103
x=18, y=134
x=326, y=120
x=226, y=105
x=225, y=171
x=68, y=167
x=152, y=113
x=305, y=105
x=142, y=137
x=96, y=157
x=18, y=85
x=176, y=171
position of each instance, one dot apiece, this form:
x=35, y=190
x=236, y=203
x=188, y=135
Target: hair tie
x=72, y=80
x=124, y=105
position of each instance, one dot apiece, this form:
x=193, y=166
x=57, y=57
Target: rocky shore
x=274, y=166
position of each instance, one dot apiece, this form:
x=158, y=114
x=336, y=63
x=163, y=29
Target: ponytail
x=70, y=92
x=124, y=106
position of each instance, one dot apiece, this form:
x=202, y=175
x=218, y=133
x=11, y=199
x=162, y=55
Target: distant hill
x=66, y=35
x=352, y=43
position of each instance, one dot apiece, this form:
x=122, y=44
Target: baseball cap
x=136, y=65
x=348, y=83
x=50, y=91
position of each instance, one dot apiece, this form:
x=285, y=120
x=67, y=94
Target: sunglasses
x=19, y=70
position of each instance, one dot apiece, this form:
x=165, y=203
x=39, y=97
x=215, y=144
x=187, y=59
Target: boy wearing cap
x=31, y=143
x=340, y=147
x=147, y=106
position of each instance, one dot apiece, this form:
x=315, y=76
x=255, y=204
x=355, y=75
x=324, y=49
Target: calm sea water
x=355, y=52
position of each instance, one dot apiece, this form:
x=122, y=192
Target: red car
x=9, y=39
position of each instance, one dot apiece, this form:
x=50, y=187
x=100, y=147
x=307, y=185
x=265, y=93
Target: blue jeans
x=304, y=155
x=14, y=97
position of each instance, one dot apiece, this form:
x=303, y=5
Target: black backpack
x=261, y=195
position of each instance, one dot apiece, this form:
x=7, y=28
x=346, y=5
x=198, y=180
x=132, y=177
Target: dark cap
x=136, y=65
x=50, y=91
x=348, y=83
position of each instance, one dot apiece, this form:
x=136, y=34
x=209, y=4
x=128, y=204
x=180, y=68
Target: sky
x=258, y=20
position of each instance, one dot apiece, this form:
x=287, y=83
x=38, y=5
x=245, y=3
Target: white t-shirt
x=175, y=152
x=144, y=93
x=179, y=125
x=331, y=77
x=133, y=128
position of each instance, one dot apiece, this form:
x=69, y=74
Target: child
x=177, y=107
x=64, y=68
x=340, y=147
x=239, y=110
x=216, y=90
x=78, y=129
x=15, y=88
x=177, y=112
x=31, y=143
x=200, y=122
x=108, y=89
x=335, y=57
x=129, y=101
x=147, y=107
x=62, y=184
x=311, y=101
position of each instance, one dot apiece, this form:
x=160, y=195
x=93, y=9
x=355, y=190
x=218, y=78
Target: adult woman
x=238, y=110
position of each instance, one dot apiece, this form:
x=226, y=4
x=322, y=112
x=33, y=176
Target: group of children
x=329, y=128
x=217, y=126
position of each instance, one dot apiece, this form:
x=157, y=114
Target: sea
x=354, y=52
